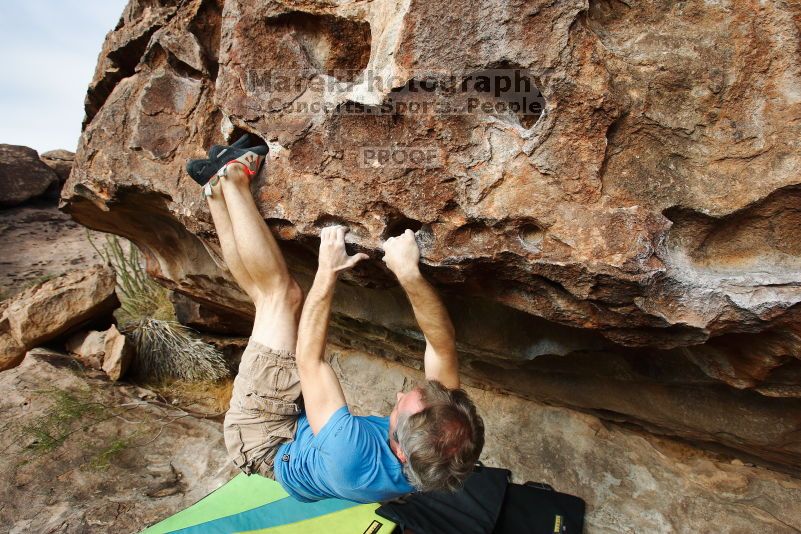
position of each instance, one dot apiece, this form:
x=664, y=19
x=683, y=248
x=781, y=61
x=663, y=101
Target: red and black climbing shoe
x=207, y=172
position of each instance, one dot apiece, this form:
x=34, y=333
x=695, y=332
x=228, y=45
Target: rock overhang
x=647, y=213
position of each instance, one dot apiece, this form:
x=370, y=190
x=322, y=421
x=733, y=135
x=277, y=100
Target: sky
x=48, y=52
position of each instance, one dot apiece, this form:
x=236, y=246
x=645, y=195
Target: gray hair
x=442, y=442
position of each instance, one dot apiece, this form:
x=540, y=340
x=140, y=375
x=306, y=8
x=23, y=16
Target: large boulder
x=54, y=308
x=23, y=175
x=39, y=241
x=631, y=251
x=60, y=161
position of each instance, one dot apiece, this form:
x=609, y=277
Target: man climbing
x=432, y=438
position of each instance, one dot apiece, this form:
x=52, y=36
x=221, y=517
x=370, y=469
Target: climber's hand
x=333, y=256
x=402, y=255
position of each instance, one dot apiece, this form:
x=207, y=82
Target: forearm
x=430, y=312
x=314, y=318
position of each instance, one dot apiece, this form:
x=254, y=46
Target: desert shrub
x=141, y=297
x=165, y=349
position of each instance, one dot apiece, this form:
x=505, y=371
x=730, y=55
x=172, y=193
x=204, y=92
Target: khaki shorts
x=265, y=406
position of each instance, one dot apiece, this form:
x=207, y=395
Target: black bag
x=537, y=508
x=489, y=504
x=472, y=510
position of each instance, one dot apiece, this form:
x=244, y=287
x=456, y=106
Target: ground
x=83, y=454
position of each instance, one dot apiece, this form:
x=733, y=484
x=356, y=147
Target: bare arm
x=322, y=393
x=441, y=361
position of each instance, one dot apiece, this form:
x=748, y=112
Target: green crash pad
x=260, y=505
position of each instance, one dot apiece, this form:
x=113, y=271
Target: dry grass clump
x=166, y=349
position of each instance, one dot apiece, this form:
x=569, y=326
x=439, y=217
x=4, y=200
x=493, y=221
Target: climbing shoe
x=207, y=172
x=242, y=142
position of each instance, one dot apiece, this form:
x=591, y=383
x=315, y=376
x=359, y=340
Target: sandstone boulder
x=631, y=251
x=60, y=161
x=54, y=308
x=23, y=176
x=118, y=353
x=88, y=347
x=39, y=241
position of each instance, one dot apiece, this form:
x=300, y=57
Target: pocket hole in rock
x=397, y=225
x=531, y=236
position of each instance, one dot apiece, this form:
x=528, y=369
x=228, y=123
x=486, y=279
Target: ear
x=398, y=452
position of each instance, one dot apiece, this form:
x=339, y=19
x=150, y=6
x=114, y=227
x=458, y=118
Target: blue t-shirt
x=349, y=459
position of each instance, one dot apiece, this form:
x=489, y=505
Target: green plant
x=140, y=296
x=51, y=429
x=104, y=458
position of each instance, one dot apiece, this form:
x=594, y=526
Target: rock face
x=38, y=242
x=205, y=319
x=23, y=175
x=114, y=463
x=54, y=308
x=632, y=251
x=60, y=161
x=631, y=482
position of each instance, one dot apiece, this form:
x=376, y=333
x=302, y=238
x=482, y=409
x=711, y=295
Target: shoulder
x=339, y=421
x=350, y=437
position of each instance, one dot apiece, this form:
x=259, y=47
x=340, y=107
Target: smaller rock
x=23, y=176
x=60, y=161
x=88, y=347
x=55, y=308
x=118, y=353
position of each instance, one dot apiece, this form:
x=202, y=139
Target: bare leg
x=258, y=261
x=222, y=222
